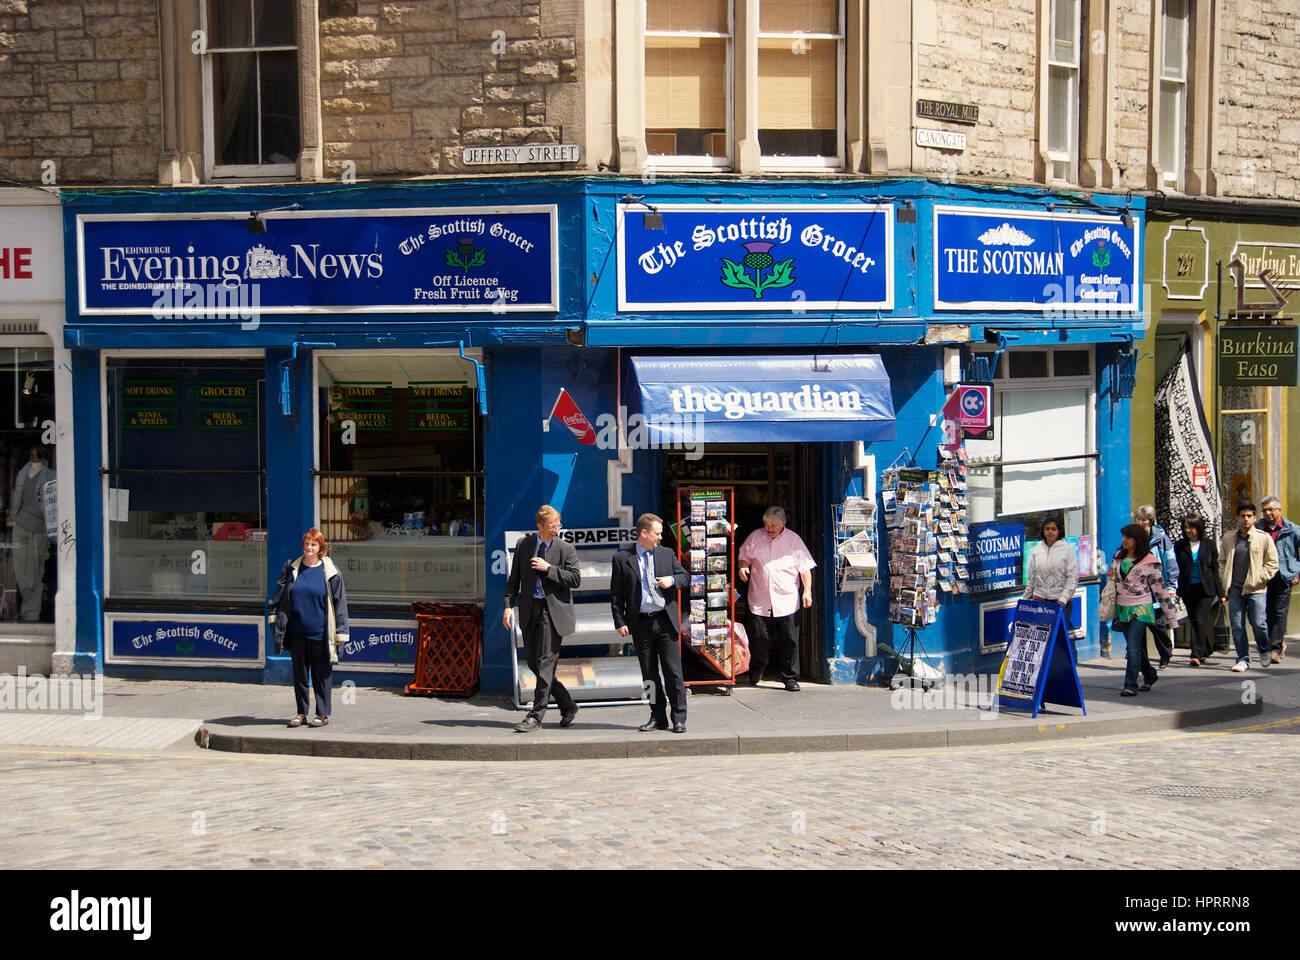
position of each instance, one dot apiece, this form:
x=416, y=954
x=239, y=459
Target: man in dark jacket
x=643, y=591
x=1286, y=537
x=543, y=575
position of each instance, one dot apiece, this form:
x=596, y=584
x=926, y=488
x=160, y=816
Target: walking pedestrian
x=1198, y=583
x=1139, y=583
x=543, y=575
x=778, y=562
x=1286, y=537
x=311, y=617
x=1163, y=548
x=1247, y=562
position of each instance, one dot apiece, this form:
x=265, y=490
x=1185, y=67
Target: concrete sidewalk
x=376, y=722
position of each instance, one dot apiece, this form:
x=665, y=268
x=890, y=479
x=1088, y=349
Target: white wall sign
x=521, y=153
x=940, y=139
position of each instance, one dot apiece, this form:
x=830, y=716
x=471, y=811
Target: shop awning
x=759, y=399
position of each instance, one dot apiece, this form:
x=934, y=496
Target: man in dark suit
x=543, y=575
x=643, y=589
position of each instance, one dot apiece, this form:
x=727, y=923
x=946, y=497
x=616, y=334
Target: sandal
x=298, y=721
x=1193, y=662
x=1147, y=686
x=1128, y=693
x=319, y=721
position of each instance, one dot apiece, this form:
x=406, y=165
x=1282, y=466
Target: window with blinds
x=1063, y=91
x=1173, y=92
x=800, y=62
x=688, y=81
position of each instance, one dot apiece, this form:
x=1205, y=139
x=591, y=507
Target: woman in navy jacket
x=1199, y=582
x=310, y=614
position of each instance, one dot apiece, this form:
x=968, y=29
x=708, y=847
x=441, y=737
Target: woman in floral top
x=1139, y=582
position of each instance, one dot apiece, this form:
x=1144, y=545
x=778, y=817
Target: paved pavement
x=371, y=722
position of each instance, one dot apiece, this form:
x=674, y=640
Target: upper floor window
x=688, y=82
x=1172, y=138
x=800, y=65
x=251, y=109
x=1063, y=91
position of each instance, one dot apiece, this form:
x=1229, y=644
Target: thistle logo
x=1101, y=256
x=465, y=256
x=758, y=257
x=567, y=410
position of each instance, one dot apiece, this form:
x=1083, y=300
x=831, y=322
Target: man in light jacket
x=1248, y=561
x=1286, y=537
x=1163, y=548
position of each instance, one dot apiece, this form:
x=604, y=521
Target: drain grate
x=1208, y=793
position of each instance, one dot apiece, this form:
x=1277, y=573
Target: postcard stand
x=707, y=549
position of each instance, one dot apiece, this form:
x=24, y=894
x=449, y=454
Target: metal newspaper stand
x=706, y=546
x=595, y=664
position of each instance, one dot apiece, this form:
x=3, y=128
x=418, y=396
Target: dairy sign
x=417, y=260
x=756, y=257
x=992, y=259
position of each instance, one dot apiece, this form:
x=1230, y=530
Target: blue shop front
x=414, y=369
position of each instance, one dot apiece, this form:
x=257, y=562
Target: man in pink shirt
x=773, y=561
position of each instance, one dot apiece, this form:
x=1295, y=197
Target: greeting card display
x=704, y=514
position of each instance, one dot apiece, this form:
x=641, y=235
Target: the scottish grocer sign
x=209, y=266
x=225, y=641
x=789, y=258
x=990, y=259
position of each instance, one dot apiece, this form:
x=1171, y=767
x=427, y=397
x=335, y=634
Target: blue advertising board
x=234, y=642
x=995, y=556
x=378, y=645
x=420, y=260
x=994, y=259
x=997, y=619
x=788, y=257
x=1039, y=664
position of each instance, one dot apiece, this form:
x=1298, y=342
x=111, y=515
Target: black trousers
x=781, y=633
x=657, y=649
x=313, y=655
x=542, y=649
x=1164, y=642
x=1199, y=607
x=1275, y=610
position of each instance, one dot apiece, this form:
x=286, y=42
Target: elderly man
x=1163, y=548
x=774, y=561
x=1286, y=537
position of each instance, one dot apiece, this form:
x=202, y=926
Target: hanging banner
x=418, y=260
x=785, y=257
x=992, y=259
x=1187, y=479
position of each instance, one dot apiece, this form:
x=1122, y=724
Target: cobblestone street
x=1170, y=801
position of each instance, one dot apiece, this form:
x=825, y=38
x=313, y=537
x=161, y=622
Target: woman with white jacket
x=1053, y=570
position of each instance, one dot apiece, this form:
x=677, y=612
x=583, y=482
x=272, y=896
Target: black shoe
x=792, y=686
x=679, y=727
x=754, y=678
x=529, y=724
x=653, y=724
x=568, y=718
x=1164, y=662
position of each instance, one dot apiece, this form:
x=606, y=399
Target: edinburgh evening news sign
x=989, y=259
x=787, y=257
x=417, y=260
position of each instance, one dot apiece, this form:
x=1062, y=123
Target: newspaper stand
x=450, y=649
x=706, y=546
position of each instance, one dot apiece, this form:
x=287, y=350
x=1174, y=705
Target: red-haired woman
x=311, y=618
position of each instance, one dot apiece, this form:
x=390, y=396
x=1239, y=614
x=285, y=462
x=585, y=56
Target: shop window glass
x=799, y=52
x=185, y=480
x=1071, y=363
x=28, y=567
x=1027, y=363
x=1243, y=448
x=401, y=484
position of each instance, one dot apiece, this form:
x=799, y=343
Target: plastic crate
x=450, y=651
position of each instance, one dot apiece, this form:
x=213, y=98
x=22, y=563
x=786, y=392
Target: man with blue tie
x=643, y=589
x=543, y=575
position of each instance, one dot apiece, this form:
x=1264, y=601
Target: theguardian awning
x=761, y=399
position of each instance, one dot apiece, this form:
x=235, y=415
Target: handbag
x=1173, y=610
x=1222, y=632
x=1106, y=605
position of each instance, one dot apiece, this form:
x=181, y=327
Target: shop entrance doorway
x=787, y=475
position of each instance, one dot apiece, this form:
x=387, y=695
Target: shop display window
x=185, y=479
x=28, y=567
x=400, y=476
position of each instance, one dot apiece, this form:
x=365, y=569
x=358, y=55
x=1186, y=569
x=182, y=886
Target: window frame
x=106, y=477
x=1174, y=179
x=816, y=162
x=1070, y=156
x=696, y=162
x=218, y=171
